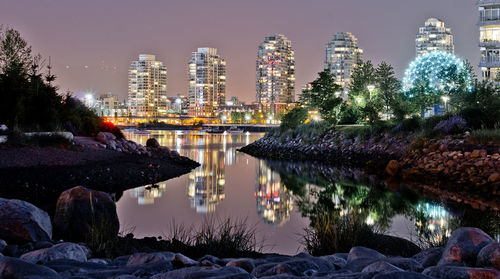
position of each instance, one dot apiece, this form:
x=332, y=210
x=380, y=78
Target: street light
x=445, y=99
x=248, y=117
x=359, y=100
x=371, y=88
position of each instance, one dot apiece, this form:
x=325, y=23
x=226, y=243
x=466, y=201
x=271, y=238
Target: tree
x=324, y=96
x=15, y=54
x=294, y=118
x=363, y=76
x=434, y=75
x=236, y=117
x=388, y=85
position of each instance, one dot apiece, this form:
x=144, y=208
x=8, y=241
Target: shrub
x=429, y=123
x=454, y=125
x=112, y=128
x=312, y=130
x=331, y=233
x=484, y=137
x=294, y=118
x=412, y=124
x=477, y=118
x=349, y=114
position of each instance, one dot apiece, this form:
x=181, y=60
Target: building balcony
x=487, y=22
x=482, y=3
x=491, y=62
x=489, y=44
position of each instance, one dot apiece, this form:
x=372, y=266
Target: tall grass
x=331, y=233
x=484, y=137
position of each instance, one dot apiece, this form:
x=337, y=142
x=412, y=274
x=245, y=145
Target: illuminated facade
x=489, y=41
x=434, y=36
x=207, y=82
x=207, y=182
x=342, y=56
x=274, y=201
x=275, y=81
x=147, y=87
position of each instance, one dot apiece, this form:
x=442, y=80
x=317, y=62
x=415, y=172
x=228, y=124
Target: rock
x=105, y=137
x=143, y=258
x=11, y=250
x=69, y=267
x=359, y=252
x=99, y=261
x=3, y=128
x=401, y=275
x=405, y=264
x=66, y=135
x=337, y=261
x=478, y=153
x=142, y=270
x=66, y=251
x=181, y=260
x=22, y=222
x=489, y=256
x=42, y=244
x=16, y=268
x=174, y=154
x=461, y=272
x=153, y=143
x=80, y=210
x=292, y=267
x=246, y=264
x=494, y=177
x=429, y=257
x=380, y=266
x=392, y=168
x=3, y=244
x=205, y=272
x=464, y=245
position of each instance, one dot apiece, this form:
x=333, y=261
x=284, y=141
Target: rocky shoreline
x=107, y=164
x=445, y=164
x=29, y=250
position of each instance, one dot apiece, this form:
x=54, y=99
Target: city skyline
x=108, y=50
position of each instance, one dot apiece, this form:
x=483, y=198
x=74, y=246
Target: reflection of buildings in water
x=207, y=182
x=434, y=221
x=274, y=201
x=147, y=194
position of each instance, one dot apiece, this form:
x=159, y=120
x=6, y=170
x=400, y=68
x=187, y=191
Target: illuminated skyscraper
x=434, y=36
x=147, y=87
x=275, y=80
x=207, y=82
x=489, y=42
x=342, y=56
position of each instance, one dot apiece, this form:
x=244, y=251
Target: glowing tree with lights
x=435, y=75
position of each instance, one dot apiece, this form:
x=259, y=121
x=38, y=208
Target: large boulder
x=153, y=143
x=461, y=272
x=81, y=212
x=464, y=245
x=359, y=252
x=205, y=272
x=16, y=268
x=22, y=222
x=62, y=251
x=105, y=137
x=489, y=256
x=429, y=257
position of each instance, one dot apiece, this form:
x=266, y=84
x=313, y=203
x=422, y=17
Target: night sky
x=107, y=35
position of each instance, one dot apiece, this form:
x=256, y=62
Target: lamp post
x=370, y=89
x=445, y=99
x=248, y=117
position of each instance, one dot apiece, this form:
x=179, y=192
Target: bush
x=477, y=118
x=349, y=114
x=454, y=125
x=294, y=118
x=331, y=233
x=111, y=128
x=412, y=124
x=484, y=137
x=312, y=130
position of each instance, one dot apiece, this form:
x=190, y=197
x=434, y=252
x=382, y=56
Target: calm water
x=279, y=198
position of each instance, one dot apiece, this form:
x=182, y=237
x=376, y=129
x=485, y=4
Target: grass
x=484, y=137
x=19, y=139
x=218, y=237
x=331, y=233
